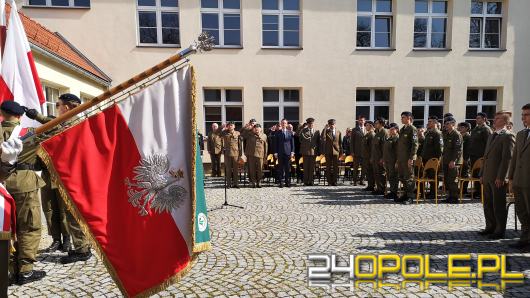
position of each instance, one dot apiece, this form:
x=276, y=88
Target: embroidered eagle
x=154, y=186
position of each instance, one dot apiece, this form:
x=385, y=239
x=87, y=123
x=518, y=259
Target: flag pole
x=204, y=43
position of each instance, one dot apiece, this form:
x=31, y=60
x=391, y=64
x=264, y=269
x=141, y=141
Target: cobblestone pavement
x=261, y=251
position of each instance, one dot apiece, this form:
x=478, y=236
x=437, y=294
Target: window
x=486, y=25
x=425, y=103
x=222, y=19
x=158, y=23
x=372, y=103
x=52, y=95
x=281, y=23
x=60, y=3
x=430, y=24
x=223, y=105
x=480, y=100
x=279, y=104
x=374, y=23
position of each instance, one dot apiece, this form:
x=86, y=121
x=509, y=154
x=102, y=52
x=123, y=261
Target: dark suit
x=519, y=173
x=284, y=149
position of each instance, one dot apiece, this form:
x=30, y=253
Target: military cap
x=465, y=124
x=69, y=97
x=12, y=108
x=253, y=120
x=406, y=114
x=393, y=125
x=369, y=122
x=332, y=121
x=230, y=122
x=483, y=115
x=257, y=125
x=450, y=120
x=310, y=120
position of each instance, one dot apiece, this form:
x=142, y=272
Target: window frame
x=221, y=11
x=280, y=12
x=281, y=103
x=49, y=5
x=373, y=16
x=427, y=103
x=47, y=102
x=158, y=10
x=480, y=103
x=373, y=103
x=430, y=15
x=223, y=104
x=484, y=16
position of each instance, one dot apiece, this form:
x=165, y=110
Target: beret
x=12, y=107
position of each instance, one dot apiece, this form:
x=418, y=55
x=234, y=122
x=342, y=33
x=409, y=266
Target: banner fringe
x=5, y=235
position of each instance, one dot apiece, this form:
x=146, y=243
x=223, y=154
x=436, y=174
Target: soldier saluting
x=407, y=147
x=332, y=146
x=309, y=147
x=256, y=152
x=233, y=150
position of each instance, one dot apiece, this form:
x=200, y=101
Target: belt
x=25, y=166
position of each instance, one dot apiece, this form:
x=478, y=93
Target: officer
x=256, y=152
x=477, y=143
x=407, y=147
x=377, y=156
x=24, y=185
x=452, y=157
x=309, y=148
x=332, y=145
x=356, y=149
x=367, y=154
x=421, y=139
x=464, y=128
x=233, y=150
x=390, y=159
x=214, y=147
x=432, y=148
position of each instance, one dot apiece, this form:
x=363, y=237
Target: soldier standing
x=309, y=147
x=407, y=147
x=493, y=175
x=390, y=159
x=332, y=143
x=432, y=148
x=214, y=145
x=477, y=143
x=377, y=156
x=356, y=149
x=421, y=140
x=256, y=152
x=233, y=150
x=367, y=153
x=452, y=157
x=463, y=129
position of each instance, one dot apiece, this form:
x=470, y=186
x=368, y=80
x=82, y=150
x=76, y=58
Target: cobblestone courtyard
x=261, y=251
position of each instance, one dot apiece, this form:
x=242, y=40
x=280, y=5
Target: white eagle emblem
x=154, y=186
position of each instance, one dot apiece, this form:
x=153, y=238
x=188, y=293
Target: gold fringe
x=193, y=155
x=5, y=235
x=204, y=246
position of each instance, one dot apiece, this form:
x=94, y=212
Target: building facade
x=311, y=58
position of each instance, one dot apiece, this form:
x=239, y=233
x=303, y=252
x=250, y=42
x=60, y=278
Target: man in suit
x=518, y=176
x=452, y=157
x=376, y=157
x=233, y=150
x=332, y=144
x=284, y=152
x=256, y=152
x=309, y=147
x=497, y=158
x=407, y=148
x=356, y=149
x=214, y=145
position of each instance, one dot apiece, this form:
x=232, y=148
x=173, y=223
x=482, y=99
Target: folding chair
x=432, y=164
x=461, y=180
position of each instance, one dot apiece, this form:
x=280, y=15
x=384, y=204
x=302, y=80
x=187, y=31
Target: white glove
x=10, y=150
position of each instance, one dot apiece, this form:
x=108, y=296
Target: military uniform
x=256, y=152
x=407, y=148
x=377, y=159
x=367, y=153
x=54, y=210
x=390, y=159
x=309, y=147
x=466, y=138
x=478, y=139
x=233, y=149
x=332, y=147
x=421, y=141
x=432, y=148
x=356, y=149
x=518, y=174
x=452, y=153
x=215, y=148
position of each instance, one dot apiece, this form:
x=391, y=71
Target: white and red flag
x=7, y=214
x=131, y=174
x=19, y=74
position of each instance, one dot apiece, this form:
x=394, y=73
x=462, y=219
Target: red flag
x=7, y=214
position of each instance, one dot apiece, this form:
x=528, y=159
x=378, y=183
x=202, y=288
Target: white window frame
x=484, y=16
x=427, y=103
x=221, y=11
x=481, y=102
x=49, y=4
x=373, y=15
x=281, y=13
x=281, y=103
x=158, y=9
x=223, y=103
x=372, y=103
x=52, y=103
x=430, y=16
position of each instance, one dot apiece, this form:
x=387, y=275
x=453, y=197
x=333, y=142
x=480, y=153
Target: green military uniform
x=356, y=149
x=478, y=140
x=407, y=148
x=452, y=153
x=466, y=138
x=256, y=152
x=390, y=159
x=421, y=141
x=309, y=148
x=367, y=154
x=377, y=159
x=53, y=209
x=233, y=150
x=24, y=185
x=332, y=147
x=433, y=146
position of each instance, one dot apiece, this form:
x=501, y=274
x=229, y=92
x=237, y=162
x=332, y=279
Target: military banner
x=7, y=214
x=133, y=176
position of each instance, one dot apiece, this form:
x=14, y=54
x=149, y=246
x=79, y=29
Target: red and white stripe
x=7, y=211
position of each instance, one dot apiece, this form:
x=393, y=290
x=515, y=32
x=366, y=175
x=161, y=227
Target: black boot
x=74, y=256
x=56, y=245
x=67, y=245
x=30, y=276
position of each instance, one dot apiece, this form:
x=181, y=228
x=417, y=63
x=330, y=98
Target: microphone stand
x=226, y=204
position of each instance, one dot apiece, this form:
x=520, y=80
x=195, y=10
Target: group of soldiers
x=385, y=155
x=19, y=172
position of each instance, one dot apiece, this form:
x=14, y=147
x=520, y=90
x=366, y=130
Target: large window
x=372, y=103
x=281, y=23
x=430, y=24
x=425, y=103
x=222, y=19
x=279, y=104
x=486, y=25
x=374, y=23
x=480, y=100
x=158, y=23
x=52, y=95
x=60, y=3
x=223, y=105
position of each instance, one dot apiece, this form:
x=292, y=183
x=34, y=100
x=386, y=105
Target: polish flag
x=19, y=74
x=7, y=214
x=130, y=172
x=3, y=24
